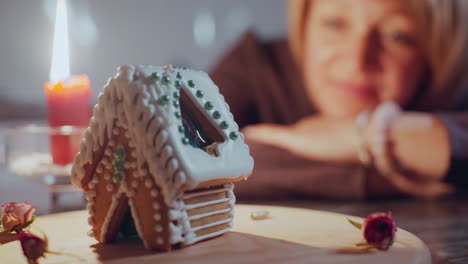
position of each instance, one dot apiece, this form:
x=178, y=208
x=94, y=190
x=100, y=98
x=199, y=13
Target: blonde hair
x=444, y=31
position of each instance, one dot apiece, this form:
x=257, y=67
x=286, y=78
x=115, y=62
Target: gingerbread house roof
x=157, y=106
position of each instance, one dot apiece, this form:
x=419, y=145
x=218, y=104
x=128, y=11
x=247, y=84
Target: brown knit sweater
x=262, y=84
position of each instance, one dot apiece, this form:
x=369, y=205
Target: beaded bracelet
x=382, y=119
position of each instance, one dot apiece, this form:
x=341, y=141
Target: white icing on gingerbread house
x=167, y=130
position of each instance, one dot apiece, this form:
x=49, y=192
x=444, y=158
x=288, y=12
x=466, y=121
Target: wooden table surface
x=290, y=235
x=441, y=224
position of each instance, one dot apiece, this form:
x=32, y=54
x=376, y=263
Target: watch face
x=197, y=128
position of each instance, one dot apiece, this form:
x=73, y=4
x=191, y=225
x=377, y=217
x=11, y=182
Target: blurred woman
x=367, y=98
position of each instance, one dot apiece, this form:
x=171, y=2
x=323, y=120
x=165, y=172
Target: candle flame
x=60, y=68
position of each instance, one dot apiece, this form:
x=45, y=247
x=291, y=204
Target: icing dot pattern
x=119, y=165
x=155, y=76
x=166, y=79
x=208, y=106
x=191, y=84
x=216, y=115
x=163, y=100
x=224, y=125
x=233, y=135
x=178, y=84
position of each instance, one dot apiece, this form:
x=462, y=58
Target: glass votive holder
x=31, y=151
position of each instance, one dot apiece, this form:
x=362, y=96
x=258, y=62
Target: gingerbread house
x=160, y=157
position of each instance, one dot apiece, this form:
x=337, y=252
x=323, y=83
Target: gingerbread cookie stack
x=160, y=157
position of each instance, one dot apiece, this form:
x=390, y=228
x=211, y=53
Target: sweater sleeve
x=280, y=175
x=457, y=127
x=232, y=74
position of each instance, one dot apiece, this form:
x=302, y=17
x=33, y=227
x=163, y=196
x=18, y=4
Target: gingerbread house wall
x=118, y=184
x=202, y=214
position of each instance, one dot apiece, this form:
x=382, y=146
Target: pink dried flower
x=17, y=216
x=379, y=230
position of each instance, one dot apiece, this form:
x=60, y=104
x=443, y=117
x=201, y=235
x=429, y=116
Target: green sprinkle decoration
x=208, y=106
x=176, y=103
x=181, y=129
x=179, y=75
x=191, y=84
x=163, y=100
x=116, y=178
x=199, y=94
x=184, y=68
x=176, y=95
x=178, y=115
x=166, y=79
x=233, y=135
x=216, y=115
x=185, y=141
x=119, y=165
x=155, y=76
x=224, y=125
x=178, y=84
x=119, y=154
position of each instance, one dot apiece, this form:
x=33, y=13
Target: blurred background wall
x=107, y=33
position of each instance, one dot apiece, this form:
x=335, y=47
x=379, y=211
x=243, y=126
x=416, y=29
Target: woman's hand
x=315, y=137
x=418, y=142
x=418, y=150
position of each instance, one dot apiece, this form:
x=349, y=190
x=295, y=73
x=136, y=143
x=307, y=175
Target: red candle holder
x=68, y=104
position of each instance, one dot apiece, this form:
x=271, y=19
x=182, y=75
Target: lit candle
x=68, y=97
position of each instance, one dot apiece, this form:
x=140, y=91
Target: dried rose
x=15, y=216
x=378, y=230
x=33, y=246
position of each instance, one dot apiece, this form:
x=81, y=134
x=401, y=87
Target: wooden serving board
x=289, y=235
